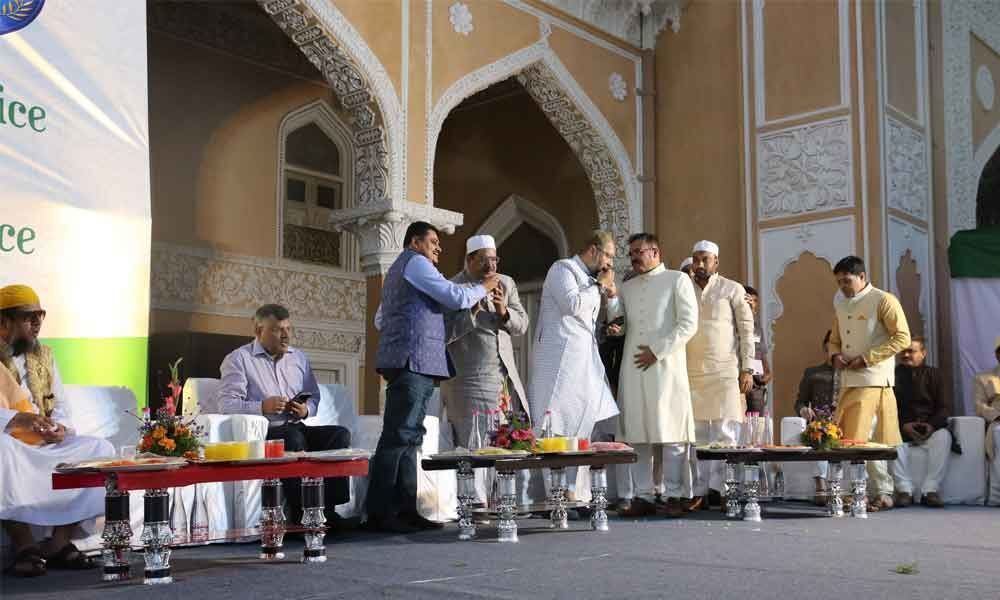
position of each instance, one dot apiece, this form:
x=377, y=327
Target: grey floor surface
x=795, y=553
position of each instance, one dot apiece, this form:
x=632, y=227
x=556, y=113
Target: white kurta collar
x=655, y=270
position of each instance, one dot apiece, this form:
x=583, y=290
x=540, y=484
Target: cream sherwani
x=661, y=312
x=987, y=397
x=567, y=375
x=722, y=346
x=26, y=493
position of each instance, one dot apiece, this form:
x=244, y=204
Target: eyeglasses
x=490, y=260
x=639, y=252
x=35, y=316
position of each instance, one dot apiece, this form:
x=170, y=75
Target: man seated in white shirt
x=35, y=437
x=269, y=377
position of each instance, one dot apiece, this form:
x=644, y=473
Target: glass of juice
x=274, y=448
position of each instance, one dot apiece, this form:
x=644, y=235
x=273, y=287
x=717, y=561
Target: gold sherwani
x=40, y=370
x=722, y=345
x=987, y=396
x=871, y=325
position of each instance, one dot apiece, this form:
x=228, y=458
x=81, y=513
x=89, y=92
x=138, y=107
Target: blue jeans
x=392, y=473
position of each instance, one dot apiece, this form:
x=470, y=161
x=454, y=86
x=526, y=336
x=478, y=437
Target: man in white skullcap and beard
x=685, y=266
x=719, y=359
x=479, y=343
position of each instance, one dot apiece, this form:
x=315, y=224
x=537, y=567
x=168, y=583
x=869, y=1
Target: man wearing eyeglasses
x=479, y=343
x=34, y=437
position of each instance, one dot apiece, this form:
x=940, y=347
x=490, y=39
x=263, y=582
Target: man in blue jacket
x=411, y=357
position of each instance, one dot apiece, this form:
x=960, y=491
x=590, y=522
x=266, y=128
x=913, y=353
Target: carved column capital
x=380, y=229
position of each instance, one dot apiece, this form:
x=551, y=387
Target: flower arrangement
x=516, y=433
x=822, y=433
x=169, y=434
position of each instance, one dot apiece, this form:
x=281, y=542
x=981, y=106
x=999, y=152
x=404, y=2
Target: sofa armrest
x=233, y=428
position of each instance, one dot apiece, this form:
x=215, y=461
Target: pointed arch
x=515, y=211
x=617, y=193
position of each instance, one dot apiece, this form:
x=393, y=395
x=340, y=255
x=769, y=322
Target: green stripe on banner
x=103, y=361
x=975, y=253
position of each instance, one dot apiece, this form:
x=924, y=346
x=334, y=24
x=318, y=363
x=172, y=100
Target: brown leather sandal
x=27, y=563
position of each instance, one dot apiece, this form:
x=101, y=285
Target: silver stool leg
x=859, y=504
x=731, y=503
x=751, y=481
x=466, y=496
x=156, y=537
x=557, y=499
x=313, y=518
x=599, y=498
x=117, y=534
x=836, y=473
x=506, y=525
x=272, y=521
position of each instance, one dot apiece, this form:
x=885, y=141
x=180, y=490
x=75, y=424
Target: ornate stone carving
x=960, y=20
x=461, y=18
x=312, y=245
x=574, y=115
x=906, y=157
x=325, y=339
x=618, y=87
x=361, y=85
x=985, y=87
x=204, y=281
x=597, y=160
x=805, y=169
x=380, y=229
x=621, y=18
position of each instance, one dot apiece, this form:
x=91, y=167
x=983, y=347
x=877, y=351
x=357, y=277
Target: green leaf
x=906, y=569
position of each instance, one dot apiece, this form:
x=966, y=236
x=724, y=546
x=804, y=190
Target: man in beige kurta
x=869, y=330
x=987, y=396
x=661, y=315
x=719, y=359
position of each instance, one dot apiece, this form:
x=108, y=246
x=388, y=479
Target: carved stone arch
x=617, y=194
x=513, y=212
x=362, y=87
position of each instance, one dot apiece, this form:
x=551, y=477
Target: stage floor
x=793, y=554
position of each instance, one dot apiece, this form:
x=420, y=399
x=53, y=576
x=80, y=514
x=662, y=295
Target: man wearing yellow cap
x=34, y=438
x=987, y=397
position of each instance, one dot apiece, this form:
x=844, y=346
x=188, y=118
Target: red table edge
x=192, y=474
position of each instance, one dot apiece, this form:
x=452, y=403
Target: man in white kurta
x=567, y=375
x=661, y=315
x=719, y=359
x=35, y=437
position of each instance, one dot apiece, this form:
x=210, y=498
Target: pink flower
x=520, y=435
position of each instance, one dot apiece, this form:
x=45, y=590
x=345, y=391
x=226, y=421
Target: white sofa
x=965, y=477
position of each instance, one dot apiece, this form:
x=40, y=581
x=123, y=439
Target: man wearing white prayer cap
x=479, y=343
x=685, y=265
x=719, y=359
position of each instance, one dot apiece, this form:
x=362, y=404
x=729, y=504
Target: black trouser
x=299, y=437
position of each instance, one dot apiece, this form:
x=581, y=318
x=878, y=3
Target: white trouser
x=993, y=498
x=711, y=474
x=821, y=468
x=673, y=478
x=938, y=446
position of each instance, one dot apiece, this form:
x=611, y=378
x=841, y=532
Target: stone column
x=380, y=228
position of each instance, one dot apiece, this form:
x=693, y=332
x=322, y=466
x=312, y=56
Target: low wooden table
x=507, y=466
x=157, y=538
x=740, y=496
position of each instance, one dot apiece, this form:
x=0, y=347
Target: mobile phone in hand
x=300, y=398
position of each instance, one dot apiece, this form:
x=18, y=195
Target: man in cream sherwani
x=719, y=359
x=661, y=315
x=567, y=375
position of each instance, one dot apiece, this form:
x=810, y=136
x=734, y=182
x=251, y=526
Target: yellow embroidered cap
x=19, y=296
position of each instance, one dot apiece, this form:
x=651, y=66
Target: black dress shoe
x=421, y=523
x=390, y=525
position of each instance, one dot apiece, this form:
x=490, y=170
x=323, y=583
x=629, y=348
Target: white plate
x=789, y=450
x=153, y=467
x=336, y=455
x=91, y=466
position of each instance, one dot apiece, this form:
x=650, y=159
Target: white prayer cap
x=686, y=262
x=706, y=246
x=478, y=242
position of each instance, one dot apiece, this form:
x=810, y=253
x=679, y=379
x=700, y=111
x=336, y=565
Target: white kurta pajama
x=567, y=375
x=661, y=311
x=722, y=346
x=26, y=493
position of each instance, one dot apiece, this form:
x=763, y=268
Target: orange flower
x=191, y=454
x=168, y=444
x=146, y=443
x=159, y=432
x=180, y=431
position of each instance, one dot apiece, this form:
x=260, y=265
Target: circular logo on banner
x=17, y=14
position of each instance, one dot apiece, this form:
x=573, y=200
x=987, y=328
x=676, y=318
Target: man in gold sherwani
x=869, y=330
x=719, y=359
x=987, y=396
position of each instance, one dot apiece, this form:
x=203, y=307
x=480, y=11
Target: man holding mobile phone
x=270, y=377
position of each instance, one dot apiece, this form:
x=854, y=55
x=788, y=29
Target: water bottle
x=199, y=517
x=547, y=425
x=178, y=517
x=475, y=436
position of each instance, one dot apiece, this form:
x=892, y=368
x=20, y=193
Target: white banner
x=74, y=162
x=975, y=304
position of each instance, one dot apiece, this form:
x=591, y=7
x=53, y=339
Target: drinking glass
x=127, y=452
